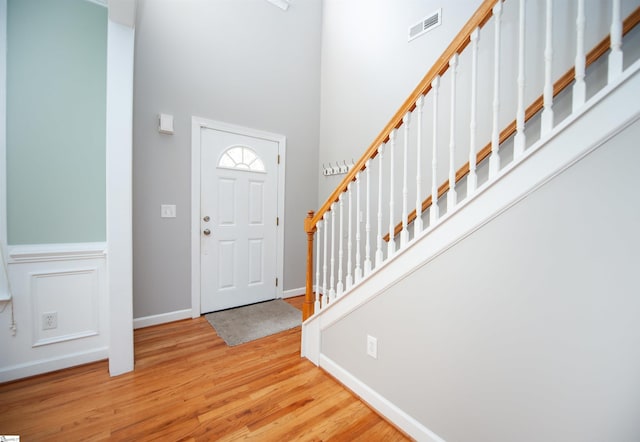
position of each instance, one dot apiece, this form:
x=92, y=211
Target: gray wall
x=369, y=68
x=56, y=113
x=535, y=336
x=244, y=62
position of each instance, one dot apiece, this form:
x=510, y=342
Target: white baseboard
x=163, y=318
x=47, y=365
x=379, y=403
x=291, y=293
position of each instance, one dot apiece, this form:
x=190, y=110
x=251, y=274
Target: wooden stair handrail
x=598, y=51
x=478, y=19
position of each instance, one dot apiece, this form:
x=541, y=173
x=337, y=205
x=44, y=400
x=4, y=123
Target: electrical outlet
x=372, y=347
x=168, y=211
x=49, y=320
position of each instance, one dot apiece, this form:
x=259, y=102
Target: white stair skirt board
x=52, y=364
x=605, y=115
x=162, y=318
x=379, y=403
x=570, y=140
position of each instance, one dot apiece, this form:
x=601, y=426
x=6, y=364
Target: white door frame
x=197, y=124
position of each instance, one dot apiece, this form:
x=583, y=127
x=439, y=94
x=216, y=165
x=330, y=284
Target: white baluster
x=472, y=179
x=358, y=271
x=434, y=211
x=340, y=286
x=417, y=224
x=349, y=277
x=325, y=293
x=520, y=140
x=547, y=112
x=579, y=87
x=615, y=56
x=316, y=305
x=452, y=195
x=391, y=245
x=379, y=256
x=367, y=227
x=332, y=281
x=494, y=160
x=404, y=233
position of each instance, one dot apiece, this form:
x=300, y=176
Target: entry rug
x=244, y=324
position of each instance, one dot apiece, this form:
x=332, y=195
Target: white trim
x=292, y=293
x=163, y=318
x=379, y=403
x=47, y=365
x=56, y=252
x=197, y=123
x=120, y=50
x=3, y=126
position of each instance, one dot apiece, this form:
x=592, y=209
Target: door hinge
x=277, y=220
x=276, y=282
x=278, y=158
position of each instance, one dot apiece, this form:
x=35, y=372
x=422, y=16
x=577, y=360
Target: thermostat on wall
x=166, y=124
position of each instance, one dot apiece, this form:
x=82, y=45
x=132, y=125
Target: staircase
x=490, y=220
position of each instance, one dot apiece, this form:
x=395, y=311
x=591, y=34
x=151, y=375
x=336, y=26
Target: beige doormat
x=244, y=324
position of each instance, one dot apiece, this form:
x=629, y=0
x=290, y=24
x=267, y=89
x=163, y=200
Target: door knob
x=206, y=219
x=206, y=232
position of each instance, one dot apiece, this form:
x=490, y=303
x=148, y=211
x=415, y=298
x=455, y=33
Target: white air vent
x=426, y=24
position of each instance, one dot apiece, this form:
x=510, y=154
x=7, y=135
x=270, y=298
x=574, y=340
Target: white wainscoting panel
x=70, y=280
x=73, y=297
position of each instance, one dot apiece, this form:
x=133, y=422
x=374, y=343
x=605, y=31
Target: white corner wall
x=120, y=50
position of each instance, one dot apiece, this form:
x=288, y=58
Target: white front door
x=238, y=219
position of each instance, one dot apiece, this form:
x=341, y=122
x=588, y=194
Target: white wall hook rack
x=337, y=168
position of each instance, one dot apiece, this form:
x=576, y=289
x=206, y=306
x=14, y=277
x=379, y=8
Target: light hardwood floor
x=188, y=385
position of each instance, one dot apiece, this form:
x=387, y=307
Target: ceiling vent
x=426, y=24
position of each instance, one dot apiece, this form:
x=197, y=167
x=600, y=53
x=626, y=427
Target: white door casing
x=239, y=261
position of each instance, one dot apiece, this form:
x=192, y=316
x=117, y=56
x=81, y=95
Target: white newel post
x=340, y=286
x=519, y=140
x=579, y=87
x=379, y=255
x=417, y=223
x=349, y=277
x=317, y=306
x=391, y=245
x=434, y=212
x=404, y=233
x=494, y=160
x=547, y=112
x=452, y=195
x=367, y=227
x=615, y=56
x=472, y=179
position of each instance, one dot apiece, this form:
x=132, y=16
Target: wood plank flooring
x=188, y=385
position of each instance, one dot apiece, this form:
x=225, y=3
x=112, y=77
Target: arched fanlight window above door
x=241, y=158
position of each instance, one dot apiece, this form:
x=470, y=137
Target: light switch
x=168, y=211
x=166, y=124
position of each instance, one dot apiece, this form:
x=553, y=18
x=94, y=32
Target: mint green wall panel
x=56, y=117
